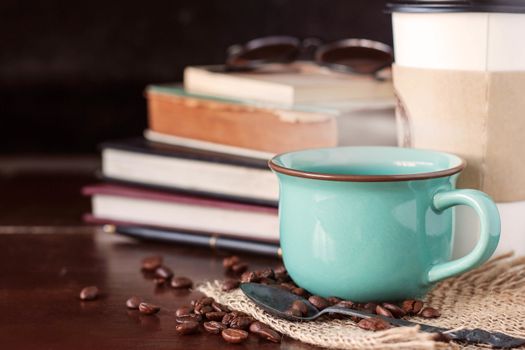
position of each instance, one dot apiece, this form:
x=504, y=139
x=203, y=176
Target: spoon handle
x=475, y=336
x=394, y=321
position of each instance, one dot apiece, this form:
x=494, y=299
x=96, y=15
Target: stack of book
x=199, y=174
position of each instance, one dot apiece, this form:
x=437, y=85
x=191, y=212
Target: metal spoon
x=277, y=301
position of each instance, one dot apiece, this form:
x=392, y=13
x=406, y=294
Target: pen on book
x=202, y=240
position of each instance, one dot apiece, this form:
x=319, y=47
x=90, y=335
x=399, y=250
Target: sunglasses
x=359, y=56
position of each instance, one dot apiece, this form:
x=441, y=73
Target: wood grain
x=42, y=275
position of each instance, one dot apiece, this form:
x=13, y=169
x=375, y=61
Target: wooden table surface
x=47, y=257
x=41, y=276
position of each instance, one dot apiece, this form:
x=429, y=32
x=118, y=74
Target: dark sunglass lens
x=270, y=53
x=274, y=53
x=357, y=59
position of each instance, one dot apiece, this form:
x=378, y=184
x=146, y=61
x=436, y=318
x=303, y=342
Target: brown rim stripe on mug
x=366, y=178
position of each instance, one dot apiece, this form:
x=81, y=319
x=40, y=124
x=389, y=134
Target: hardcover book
x=268, y=127
x=289, y=84
x=192, y=170
x=134, y=206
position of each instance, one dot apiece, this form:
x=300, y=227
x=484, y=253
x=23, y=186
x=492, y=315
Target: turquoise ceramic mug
x=375, y=223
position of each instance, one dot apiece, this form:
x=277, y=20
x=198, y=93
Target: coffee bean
x=347, y=304
x=239, y=268
x=215, y=315
x=442, y=337
x=214, y=327
x=241, y=314
x=133, y=303
x=264, y=332
x=279, y=270
x=370, y=307
x=333, y=300
x=248, y=277
x=159, y=281
x=189, y=318
x=288, y=286
x=383, y=312
x=228, y=318
x=412, y=307
x=181, y=283
x=394, y=309
x=300, y=306
x=148, y=309
x=373, y=324
x=163, y=272
x=280, y=273
x=187, y=328
x=202, y=309
x=89, y=293
x=234, y=336
x=269, y=334
x=264, y=273
x=294, y=312
x=407, y=306
x=241, y=322
x=151, y=263
x=418, y=306
x=430, y=312
x=229, y=284
x=299, y=291
x=256, y=326
x=206, y=301
x=319, y=302
x=220, y=307
x=355, y=319
x=229, y=261
x=184, y=311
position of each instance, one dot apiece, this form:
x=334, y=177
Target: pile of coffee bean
x=216, y=318
x=204, y=313
x=235, y=326
x=278, y=277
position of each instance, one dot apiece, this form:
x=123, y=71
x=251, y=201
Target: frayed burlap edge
x=491, y=297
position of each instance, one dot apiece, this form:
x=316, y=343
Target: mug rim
x=367, y=178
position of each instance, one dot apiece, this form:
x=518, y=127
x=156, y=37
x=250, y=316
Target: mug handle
x=489, y=231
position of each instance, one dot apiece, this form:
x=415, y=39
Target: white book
x=193, y=170
x=155, y=136
x=300, y=83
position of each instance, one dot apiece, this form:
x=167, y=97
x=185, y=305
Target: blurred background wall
x=72, y=73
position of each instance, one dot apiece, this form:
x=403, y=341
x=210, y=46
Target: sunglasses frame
x=352, y=42
x=235, y=51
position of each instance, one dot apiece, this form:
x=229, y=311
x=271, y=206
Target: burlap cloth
x=491, y=297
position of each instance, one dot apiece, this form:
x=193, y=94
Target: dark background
x=72, y=73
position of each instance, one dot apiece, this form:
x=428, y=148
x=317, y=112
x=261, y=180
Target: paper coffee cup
x=462, y=35
x=475, y=42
